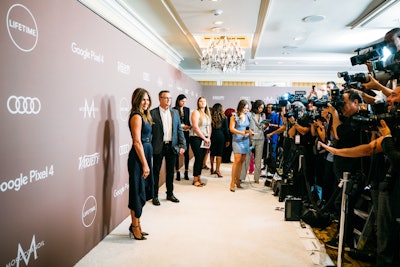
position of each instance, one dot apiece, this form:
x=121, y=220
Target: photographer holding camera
x=386, y=192
x=348, y=133
x=296, y=143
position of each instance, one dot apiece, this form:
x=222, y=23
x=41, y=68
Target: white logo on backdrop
x=89, y=210
x=24, y=35
x=87, y=161
x=26, y=255
x=218, y=97
x=124, y=109
x=123, y=68
x=86, y=53
x=160, y=82
x=146, y=76
x=89, y=111
x=269, y=100
x=124, y=149
x=180, y=89
x=120, y=191
x=23, y=105
x=22, y=180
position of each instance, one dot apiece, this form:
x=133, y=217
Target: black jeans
x=170, y=158
x=198, y=153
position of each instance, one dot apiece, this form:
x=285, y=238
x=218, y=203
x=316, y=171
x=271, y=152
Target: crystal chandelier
x=223, y=55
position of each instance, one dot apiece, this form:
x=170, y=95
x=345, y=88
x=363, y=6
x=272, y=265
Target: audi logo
x=23, y=105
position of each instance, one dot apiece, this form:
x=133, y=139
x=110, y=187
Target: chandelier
x=223, y=55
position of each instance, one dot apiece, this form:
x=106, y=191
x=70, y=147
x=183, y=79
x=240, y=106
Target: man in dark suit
x=168, y=141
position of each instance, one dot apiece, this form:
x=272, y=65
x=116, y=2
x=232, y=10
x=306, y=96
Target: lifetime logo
x=22, y=28
x=89, y=111
x=26, y=255
x=89, y=211
x=23, y=105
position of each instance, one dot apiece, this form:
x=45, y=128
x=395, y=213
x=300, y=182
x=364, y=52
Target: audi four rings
x=23, y=105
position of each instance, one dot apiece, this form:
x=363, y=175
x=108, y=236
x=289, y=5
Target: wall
x=66, y=82
x=229, y=96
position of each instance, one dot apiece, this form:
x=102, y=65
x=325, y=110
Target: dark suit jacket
x=186, y=115
x=178, y=139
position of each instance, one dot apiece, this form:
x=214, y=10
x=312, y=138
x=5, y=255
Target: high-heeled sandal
x=197, y=184
x=132, y=234
x=143, y=233
x=219, y=175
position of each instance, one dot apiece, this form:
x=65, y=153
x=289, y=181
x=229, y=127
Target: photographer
x=387, y=191
x=348, y=133
x=297, y=129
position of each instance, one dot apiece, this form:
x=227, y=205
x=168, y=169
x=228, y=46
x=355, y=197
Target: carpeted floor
x=212, y=226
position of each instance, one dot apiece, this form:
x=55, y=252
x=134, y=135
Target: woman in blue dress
x=239, y=127
x=141, y=180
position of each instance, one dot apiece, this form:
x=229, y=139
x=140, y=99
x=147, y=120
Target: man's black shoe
x=172, y=198
x=156, y=202
x=178, y=176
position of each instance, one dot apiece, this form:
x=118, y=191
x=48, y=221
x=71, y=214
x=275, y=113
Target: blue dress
x=240, y=143
x=140, y=189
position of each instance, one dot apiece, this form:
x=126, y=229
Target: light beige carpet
x=211, y=226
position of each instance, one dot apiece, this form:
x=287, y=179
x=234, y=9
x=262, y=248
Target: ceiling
x=283, y=39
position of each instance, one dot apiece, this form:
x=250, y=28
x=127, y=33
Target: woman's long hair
x=136, y=102
x=206, y=109
x=217, y=113
x=255, y=105
x=242, y=103
x=179, y=98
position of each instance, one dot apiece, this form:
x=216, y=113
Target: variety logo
x=22, y=180
x=25, y=255
x=124, y=109
x=89, y=111
x=124, y=149
x=120, y=191
x=89, y=211
x=23, y=105
x=87, y=161
x=22, y=27
x=86, y=53
x=123, y=68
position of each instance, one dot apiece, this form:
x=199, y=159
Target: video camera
x=372, y=120
x=336, y=100
x=371, y=53
x=382, y=70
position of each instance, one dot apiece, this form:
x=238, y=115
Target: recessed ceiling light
x=290, y=47
x=298, y=38
x=218, y=22
x=217, y=12
x=313, y=18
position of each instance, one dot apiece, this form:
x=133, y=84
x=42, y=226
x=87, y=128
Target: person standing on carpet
x=219, y=137
x=139, y=161
x=168, y=141
x=239, y=126
x=184, y=113
x=200, y=137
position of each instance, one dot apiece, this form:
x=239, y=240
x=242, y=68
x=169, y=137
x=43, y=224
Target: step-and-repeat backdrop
x=66, y=82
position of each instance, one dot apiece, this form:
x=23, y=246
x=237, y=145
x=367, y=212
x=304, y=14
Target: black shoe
x=172, y=198
x=178, y=176
x=186, y=175
x=156, y=202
